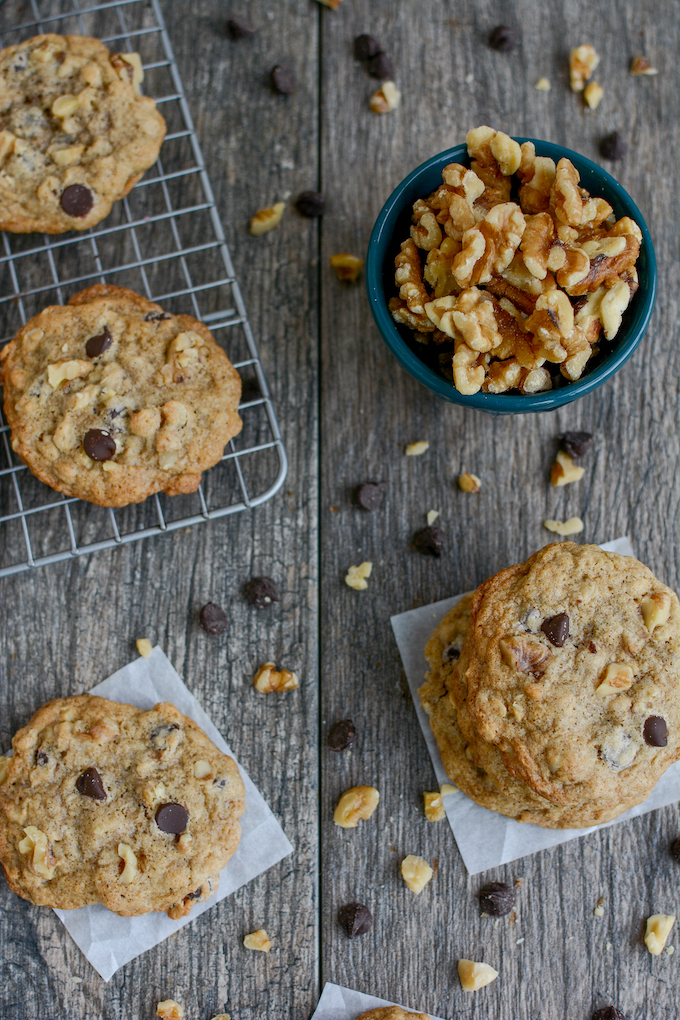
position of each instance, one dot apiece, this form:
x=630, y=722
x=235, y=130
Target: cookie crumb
x=258, y=940
x=543, y=85
x=144, y=647
x=356, y=577
x=169, y=1010
x=416, y=449
x=571, y=527
x=468, y=482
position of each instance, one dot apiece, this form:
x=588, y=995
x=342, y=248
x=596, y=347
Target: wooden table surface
x=347, y=410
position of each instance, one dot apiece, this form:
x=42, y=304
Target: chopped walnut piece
x=468, y=316
x=536, y=174
x=474, y=976
x=497, y=187
x=468, y=482
x=535, y=380
x=593, y=95
x=456, y=198
x=642, y=65
x=356, y=577
x=657, y=931
x=524, y=655
x=565, y=196
x=66, y=371
x=582, y=62
x=266, y=219
x=131, y=865
x=571, y=527
x=348, y=267
x=564, y=471
x=269, y=680
x=540, y=246
x=258, y=940
x=493, y=148
x=617, y=677
x=403, y=315
x=656, y=609
x=551, y=323
x=409, y=277
x=468, y=374
x=386, y=98
x=606, y=269
x=416, y=872
x=425, y=232
x=438, y=270
x=357, y=803
x=144, y=647
x=35, y=842
x=543, y=85
x=489, y=248
x=416, y=449
x=434, y=806
x=503, y=376
x=168, y=1009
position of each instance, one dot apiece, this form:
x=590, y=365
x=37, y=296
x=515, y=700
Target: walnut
x=35, y=842
x=169, y=1010
x=402, y=315
x=489, y=248
x=493, y=148
x=416, y=449
x=551, y=322
x=348, y=267
x=258, y=940
x=144, y=647
x=356, y=577
x=592, y=95
x=503, y=376
x=642, y=65
x=578, y=351
x=357, y=803
x=474, y=976
x=468, y=482
x=469, y=316
x=409, y=278
x=543, y=85
x=269, y=680
x=606, y=269
x=656, y=609
x=438, y=272
x=131, y=868
x=425, y=232
x=571, y=527
x=497, y=188
x=524, y=655
x=575, y=268
x=516, y=341
x=657, y=931
x=66, y=371
x=536, y=174
x=564, y=471
x=266, y=219
x=203, y=769
x=455, y=199
x=468, y=373
x=386, y=98
x=617, y=677
x=540, y=246
x=535, y=380
x=582, y=62
x=565, y=197
x=434, y=806
x=416, y=872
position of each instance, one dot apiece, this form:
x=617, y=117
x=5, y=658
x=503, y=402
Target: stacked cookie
x=554, y=690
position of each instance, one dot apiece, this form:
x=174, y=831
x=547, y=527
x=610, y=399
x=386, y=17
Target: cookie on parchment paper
x=392, y=1013
x=106, y=803
x=111, y=399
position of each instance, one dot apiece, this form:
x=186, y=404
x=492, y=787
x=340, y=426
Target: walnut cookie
x=392, y=1013
x=75, y=133
x=554, y=693
x=110, y=398
x=106, y=803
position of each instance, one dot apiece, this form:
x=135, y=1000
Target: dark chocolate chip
x=576, y=444
x=90, y=784
x=365, y=47
x=452, y=651
x=42, y=758
x=356, y=919
x=155, y=316
x=213, y=618
x=608, y=1013
x=172, y=818
x=369, y=495
x=261, y=592
x=311, y=204
x=195, y=894
x=380, y=66
x=240, y=28
x=429, y=541
x=655, y=731
x=99, y=445
x=675, y=849
x=497, y=899
x=283, y=79
x=77, y=200
x=341, y=735
x=96, y=345
x=503, y=38
x=613, y=146
x=556, y=629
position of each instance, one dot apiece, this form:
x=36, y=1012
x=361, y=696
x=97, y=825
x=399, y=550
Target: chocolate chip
x=172, y=818
x=655, y=731
x=341, y=735
x=155, y=316
x=240, y=28
x=429, y=541
x=576, y=444
x=311, y=204
x=283, y=79
x=503, y=38
x=608, y=1013
x=380, y=66
x=195, y=894
x=675, y=849
x=99, y=445
x=452, y=651
x=592, y=647
x=497, y=899
x=96, y=345
x=213, y=618
x=261, y=592
x=90, y=784
x=613, y=146
x=42, y=758
x=369, y=495
x=77, y=200
x=356, y=919
x=556, y=629
x=365, y=47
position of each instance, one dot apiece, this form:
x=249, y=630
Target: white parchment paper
x=110, y=941
x=486, y=839
x=338, y=1003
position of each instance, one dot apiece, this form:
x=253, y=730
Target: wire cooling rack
x=166, y=241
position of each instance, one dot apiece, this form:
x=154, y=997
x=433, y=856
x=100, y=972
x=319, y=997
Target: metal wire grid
x=171, y=207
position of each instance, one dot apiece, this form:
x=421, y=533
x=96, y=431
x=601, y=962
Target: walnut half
x=357, y=803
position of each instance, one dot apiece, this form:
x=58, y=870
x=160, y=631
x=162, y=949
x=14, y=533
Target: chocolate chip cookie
x=75, y=132
x=392, y=1013
x=562, y=688
x=110, y=398
x=106, y=803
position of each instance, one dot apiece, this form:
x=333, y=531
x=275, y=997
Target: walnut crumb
x=564, y=471
x=592, y=94
x=386, y=98
x=469, y=483
x=518, y=883
x=448, y=788
x=169, y=1010
x=356, y=577
x=571, y=527
x=657, y=932
x=269, y=679
x=582, y=62
x=416, y=449
x=348, y=267
x=543, y=85
x=434, y=806
x=475, y=975
x=599, y=911
x=266, y=219
x=258, y=940
x=357, y=803
x=642, y=65
x=144, y=647
x=432, y=516
x=416, y=872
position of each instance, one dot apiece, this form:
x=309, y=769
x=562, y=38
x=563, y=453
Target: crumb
x=356, y=577
x=144, y=647
x=543, y=85
x=416, y=449
x=432, y=516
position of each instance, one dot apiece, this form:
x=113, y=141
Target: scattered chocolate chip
x=380, y=66
x=675, y=849
x=356, y=919
x=429, y=541
x=497, y=899
x=341, y=735
x=503, y=38
x=311, y=204
x=172, y=818
x=369, y=495
x=365, y=47
x=77, y=200
x=155, y=316
x=576, y=444
x=261, y=592
x=96, y=345
x=556, y=629
x=283, y=79
x=608, y=1013
x=213, y=618
x=99, y=445
x=240, y=28
x=613, y=146
x=655, y=731
x=42, y=758
x=90, y=784
x=195, y=894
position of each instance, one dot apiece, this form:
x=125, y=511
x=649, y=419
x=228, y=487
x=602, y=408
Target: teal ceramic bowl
x=392, y=226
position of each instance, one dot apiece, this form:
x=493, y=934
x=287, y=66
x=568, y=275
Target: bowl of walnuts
x=511, y=275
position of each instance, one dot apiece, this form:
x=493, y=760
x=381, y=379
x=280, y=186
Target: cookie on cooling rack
x=75, y=133
x=106, y=803
x=110, y=398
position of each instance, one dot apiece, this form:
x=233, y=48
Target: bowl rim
x=501, y=402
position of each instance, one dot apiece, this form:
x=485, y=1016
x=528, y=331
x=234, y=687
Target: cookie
x=392, y=1013
x=110, y=398
x=106, y=803
x=75, y=133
